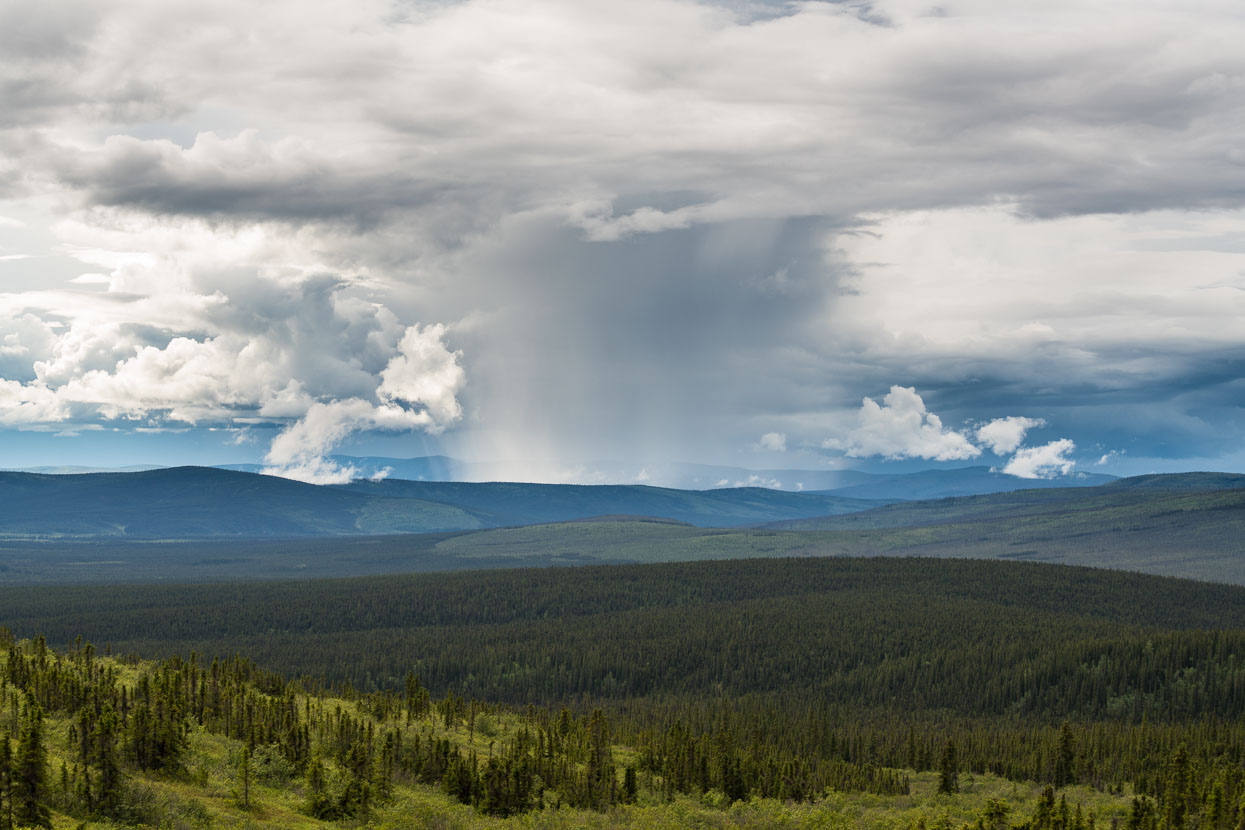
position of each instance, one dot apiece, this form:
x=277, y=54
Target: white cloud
x=1003, y=435
x=1047, y=461
x=774, y=442
x=418, y=390
x=424, y=373
x=901, y=427
x=1109, y=456
x=202, y=330
x=298, y=452
x=757, y=481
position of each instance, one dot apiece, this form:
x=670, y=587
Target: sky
x=542, y=233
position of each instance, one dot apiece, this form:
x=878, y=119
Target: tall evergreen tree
x=6, y=783
x=1065, y=757
x=108, y=790
x=319, y=802
x=949, y=770
x=30, y=774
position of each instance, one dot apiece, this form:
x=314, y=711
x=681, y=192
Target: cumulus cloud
x=1047, y=461
x=1003, y=435
x=774, y=442
x=418, y=390
x=1107, y=457
x=298, y=452
x=901, y=427
x=310, y=353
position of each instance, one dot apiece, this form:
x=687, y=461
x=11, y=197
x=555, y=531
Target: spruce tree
x=108, y=791
x=1065, y=758
x=6, y=784
x=319, y=802
x=30, y=774
x=949, y=770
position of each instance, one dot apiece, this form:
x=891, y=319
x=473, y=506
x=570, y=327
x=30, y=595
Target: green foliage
x=29, y=792
x=705, y=684
x=6, y=783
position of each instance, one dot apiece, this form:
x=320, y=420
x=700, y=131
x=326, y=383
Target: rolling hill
x=524, y=504
x=783, y=693
x=203, y=503
x=1066, y=502
x=197, y=524
x=963, y=481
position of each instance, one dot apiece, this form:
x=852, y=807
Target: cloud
x=774, y=442
x=418, y=390
x=1003, y=435
x=1047, y=461
x=424, y=374
x=298, y=452
x=312, y=354
x=900, y=427
x=648, y=205
x=756, y=481
x=1107, y=457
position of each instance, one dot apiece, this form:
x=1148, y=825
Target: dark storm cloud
x=245, y=180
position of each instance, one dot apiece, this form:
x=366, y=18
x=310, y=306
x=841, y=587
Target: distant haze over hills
x=202, y=523
x=925, y=484
x=936, y=483
x=206, y=502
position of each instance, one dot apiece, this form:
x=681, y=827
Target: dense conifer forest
x=771, y=679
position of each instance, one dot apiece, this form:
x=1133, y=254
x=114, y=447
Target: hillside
x=524, y=504
x=1138, y=490
x=964, y=481
x=160, y=755
x=195, y=525
x=795, y=613
x=203, y=503
x=1184, y=533
x=199, y=502
x=756, y=693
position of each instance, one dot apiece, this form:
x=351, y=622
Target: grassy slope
x=965, y=481
x=1185, y=491
x=519, y=503
x=212, y=803
x=206, y=794
x=1192, y=536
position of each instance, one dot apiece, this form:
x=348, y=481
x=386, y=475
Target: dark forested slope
x=753, y=625
x=773, y=677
